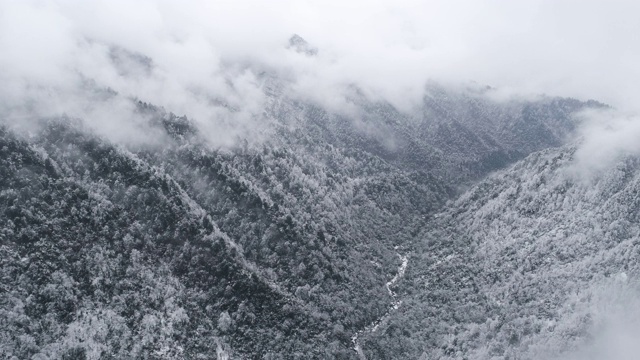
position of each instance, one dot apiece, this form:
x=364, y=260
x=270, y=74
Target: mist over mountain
x=205, y=181
x=295, y=235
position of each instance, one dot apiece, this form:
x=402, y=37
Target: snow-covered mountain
x=279, y=248
x=532, y=263
x=451, y=229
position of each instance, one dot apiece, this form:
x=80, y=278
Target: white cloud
x=203, y=50
x=606, y=137
x=615, y=323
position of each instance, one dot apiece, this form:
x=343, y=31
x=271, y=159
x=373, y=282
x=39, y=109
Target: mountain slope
x=93, y=234
x=531, y=263
x=277, y=248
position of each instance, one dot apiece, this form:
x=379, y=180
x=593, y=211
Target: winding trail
x=395, y=304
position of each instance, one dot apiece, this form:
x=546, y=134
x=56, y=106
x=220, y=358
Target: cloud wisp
x=607, y=136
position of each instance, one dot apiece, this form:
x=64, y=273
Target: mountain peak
x=300, y=45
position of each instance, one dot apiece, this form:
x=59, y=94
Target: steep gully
x=395, y=304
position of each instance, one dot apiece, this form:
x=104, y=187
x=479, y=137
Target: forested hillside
x=532, y=263
x=279, y=248
x=352, y=180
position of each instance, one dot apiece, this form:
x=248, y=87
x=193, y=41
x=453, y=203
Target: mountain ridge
x=293, y=237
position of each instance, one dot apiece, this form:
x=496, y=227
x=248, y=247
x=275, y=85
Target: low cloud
x=615, y=318
x=206, y=59
x=607, y=136
x=89, y=60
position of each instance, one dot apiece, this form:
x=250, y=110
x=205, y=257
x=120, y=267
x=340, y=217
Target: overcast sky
x=584, y=49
